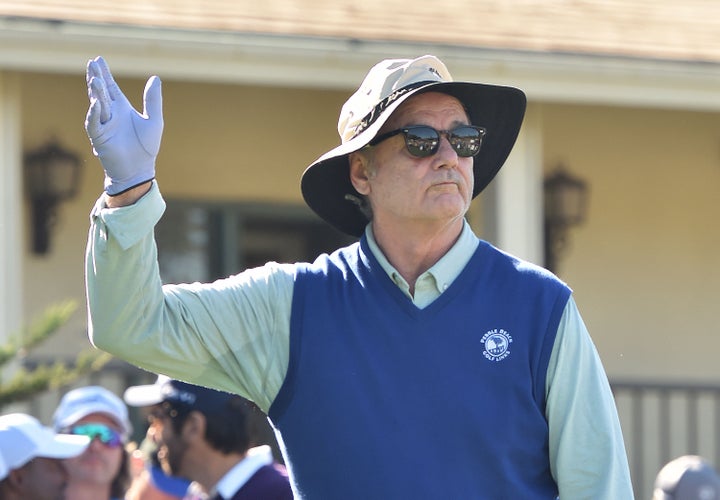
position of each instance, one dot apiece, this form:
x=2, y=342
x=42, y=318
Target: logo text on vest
x=497, y=344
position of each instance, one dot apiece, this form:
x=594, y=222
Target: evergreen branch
x=27, y=384
x=52, y=319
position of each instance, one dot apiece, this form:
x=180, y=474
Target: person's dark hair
x=362, y=204
x=176, y=413
x=122, y=480
x=225, y=430
x=228, y=431
x=361, y=201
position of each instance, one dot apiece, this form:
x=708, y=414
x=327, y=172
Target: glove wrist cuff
x=114, y=189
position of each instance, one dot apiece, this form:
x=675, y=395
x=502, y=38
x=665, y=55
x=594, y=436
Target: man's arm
x=587, y=451
x=232, y=334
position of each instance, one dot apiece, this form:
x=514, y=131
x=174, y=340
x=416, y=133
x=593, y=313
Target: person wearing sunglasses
x=102, y=472
x=418, y=362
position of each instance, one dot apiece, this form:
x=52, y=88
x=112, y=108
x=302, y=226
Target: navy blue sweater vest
x=383, y=400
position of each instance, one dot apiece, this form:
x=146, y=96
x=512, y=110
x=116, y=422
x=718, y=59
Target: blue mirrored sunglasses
x=107, y=435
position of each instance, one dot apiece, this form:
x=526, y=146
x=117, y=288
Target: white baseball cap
x=23, y=437
x=83, y=401
x=148, y=394
x=689, y=477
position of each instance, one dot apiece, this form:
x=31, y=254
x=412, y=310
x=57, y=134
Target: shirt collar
x=241, y=473
x=445, y=270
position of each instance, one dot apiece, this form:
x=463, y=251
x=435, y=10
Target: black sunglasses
x=423, y=141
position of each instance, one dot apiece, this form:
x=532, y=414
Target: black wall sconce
x=52, y=175
x=565, y=206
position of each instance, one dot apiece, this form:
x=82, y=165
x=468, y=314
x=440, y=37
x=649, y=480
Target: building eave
x=337, y=63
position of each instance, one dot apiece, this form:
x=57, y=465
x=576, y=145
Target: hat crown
x=83, y=401
x=23, y=437
x=687, y=477
x=16, y=434
x=196, y=397
x=386, y=81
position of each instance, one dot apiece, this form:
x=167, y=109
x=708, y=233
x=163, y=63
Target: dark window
x=204, y=241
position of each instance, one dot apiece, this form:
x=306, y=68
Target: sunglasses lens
x=466, y=141
x=422, y=141
x=105, y=434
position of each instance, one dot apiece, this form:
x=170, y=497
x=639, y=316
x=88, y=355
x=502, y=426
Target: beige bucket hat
x=326, y=185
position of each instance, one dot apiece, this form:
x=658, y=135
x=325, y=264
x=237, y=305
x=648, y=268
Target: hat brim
x=498, y=109
x=89, y=409
x=143, y=395
x=62, y=446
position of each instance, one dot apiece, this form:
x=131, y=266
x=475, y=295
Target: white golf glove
x=125, y=141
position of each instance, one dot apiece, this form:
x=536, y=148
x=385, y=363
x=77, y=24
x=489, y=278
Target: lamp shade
x=565, y=199
x=52, y=172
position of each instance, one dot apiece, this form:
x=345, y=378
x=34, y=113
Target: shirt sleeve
x=587, y=451
x=231, y=335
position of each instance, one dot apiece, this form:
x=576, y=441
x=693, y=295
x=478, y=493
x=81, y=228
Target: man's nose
x=446, y=156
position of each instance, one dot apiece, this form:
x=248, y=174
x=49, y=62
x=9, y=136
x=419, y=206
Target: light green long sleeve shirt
x=233, y=335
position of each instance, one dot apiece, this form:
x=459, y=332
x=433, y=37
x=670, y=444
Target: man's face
x=406, y=190
x=42, y=479
x=171, y=445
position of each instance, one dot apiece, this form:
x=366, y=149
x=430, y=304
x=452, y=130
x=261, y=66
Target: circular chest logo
x=497, y=344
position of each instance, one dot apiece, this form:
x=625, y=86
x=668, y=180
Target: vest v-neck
x=377, y=275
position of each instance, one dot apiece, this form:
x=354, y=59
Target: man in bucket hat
x=420, y=362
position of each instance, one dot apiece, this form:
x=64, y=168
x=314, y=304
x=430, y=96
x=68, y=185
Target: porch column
x=512, y=206
x=11, y=246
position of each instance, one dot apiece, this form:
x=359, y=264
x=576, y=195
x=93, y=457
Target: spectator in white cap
x=102, y=472
x=31, y=454
x=689, y=477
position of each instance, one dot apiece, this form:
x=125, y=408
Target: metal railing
x=664, y=420
x=660, y=420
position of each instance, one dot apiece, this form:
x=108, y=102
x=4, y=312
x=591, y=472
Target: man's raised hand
x=126, y=141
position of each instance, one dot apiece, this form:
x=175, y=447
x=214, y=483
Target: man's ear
x=16, y=477
x=194, y=426
x=360, y=172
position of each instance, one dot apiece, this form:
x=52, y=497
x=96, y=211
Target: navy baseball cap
x=175, y=392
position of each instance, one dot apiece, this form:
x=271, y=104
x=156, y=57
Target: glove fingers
x=99, y=92
x=113, y=89
x=92, y=120
x=92, y=71
x=150, y=129
x=152, y=98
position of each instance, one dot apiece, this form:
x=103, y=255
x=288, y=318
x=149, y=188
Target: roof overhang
x=337, y=63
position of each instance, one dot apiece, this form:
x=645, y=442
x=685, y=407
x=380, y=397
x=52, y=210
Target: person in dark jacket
x=202, y=435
